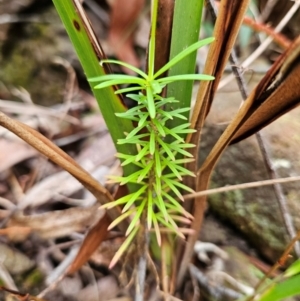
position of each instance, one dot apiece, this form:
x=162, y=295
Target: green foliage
x=88, y=52
x=282, y=290
x=159, y=171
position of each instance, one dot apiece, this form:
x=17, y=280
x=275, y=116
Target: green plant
x=160, y=170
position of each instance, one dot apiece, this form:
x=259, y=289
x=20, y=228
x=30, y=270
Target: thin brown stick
x=241, y=186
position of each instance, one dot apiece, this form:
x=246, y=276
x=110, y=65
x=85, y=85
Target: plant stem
x=151, y=58
x=142, y=244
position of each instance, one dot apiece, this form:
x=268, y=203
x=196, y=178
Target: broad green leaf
x=280, y=291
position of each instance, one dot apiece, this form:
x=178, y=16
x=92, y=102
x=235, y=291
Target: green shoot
x=159, y=172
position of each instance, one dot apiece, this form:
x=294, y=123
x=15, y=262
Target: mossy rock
x=27, y=59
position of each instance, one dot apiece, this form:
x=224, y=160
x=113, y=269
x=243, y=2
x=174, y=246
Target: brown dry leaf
x=54, y=153
x=124, y=15
x=13, y=152
x=276, y=94
x=163, y=33
x=16, y=234
x=58, y=223
x=92, y=158
x=91, y=242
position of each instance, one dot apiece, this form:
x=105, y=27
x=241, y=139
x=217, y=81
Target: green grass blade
x=189, y=29
x=89, y=54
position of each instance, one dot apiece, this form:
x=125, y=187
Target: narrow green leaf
x=166, y=114
x=157, y=185
x=134, y=198
x=123, y=247
x=156, y=229
x=172, y=187
x=116, y=62
x=143, y=119
x=159, y=127
x=172, y=133
x=172, y=166
x=121, y=218
x=117, y=82
x=158, y=168
x=184, y=77
x=159, y=202
x=130, y=137
x=178, y=149
x=142, y=153
x=137, y=216
x=183, y=54
x=129, y=89
x=149, y=209
x=151, y=106
x=112, y=77
x=176, y=204
x=145, y=172
x=166, y=148
x=130, y=178
x=180, y=185
x=170, y=226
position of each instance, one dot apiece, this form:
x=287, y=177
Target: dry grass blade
x=91, y=242
x=55, y=154
x=163, y=33
x=276, y=94
x=229, y=20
